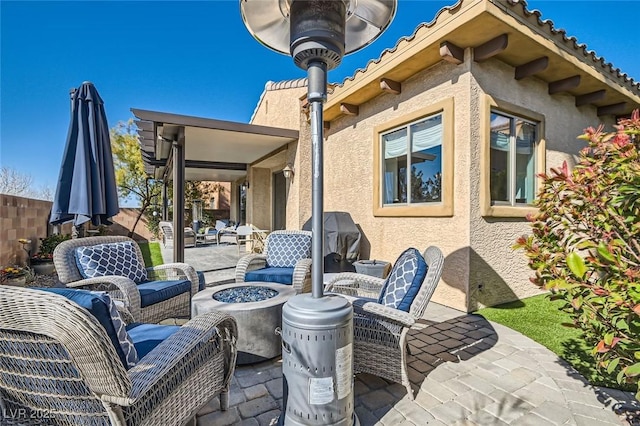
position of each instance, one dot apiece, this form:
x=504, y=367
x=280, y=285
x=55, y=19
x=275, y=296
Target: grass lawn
x=151, y=253
x=540, y=319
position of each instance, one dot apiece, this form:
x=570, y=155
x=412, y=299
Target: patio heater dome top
x=292, y=27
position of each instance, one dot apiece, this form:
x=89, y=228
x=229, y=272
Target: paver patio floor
x=464, y=369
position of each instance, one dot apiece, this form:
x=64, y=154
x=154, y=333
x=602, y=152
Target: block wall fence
x=29, y=218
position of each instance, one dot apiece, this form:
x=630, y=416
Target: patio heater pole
x=317, y=330
x=317, y=94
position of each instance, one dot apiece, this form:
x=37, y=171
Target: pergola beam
x=390, y=86
x=612, y=109
x=349, y=109
x=451, y=53
x=532, y=67
x=491, y=48
x=564, y=85
x=588, y=98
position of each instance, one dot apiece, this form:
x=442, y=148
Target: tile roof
x=546, y=26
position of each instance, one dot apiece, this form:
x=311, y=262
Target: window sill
x=508, y=211
x=439, y=210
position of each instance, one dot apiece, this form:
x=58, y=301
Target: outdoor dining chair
x=70, y=358
x=115, y=264
x=286, y=260
x=385, y=309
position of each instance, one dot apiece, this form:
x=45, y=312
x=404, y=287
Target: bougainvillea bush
x=585, y=245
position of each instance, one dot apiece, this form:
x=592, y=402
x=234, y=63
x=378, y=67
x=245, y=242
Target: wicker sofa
x=380, y=332
x=59, y=366
x=148, y=307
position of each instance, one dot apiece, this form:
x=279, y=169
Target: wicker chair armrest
x=378, y=311
x=248, y=263
x=301, y=276
x=174, y=271
x=218, y=331
x=359, y=285
x=118, y=287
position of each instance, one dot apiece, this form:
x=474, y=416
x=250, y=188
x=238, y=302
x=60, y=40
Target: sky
x=195, y=58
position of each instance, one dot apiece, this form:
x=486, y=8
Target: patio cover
x=181, y=147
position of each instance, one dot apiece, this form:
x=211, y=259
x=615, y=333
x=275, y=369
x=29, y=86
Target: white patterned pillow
x=110, y=259
x=285, y=250
x=404, y=280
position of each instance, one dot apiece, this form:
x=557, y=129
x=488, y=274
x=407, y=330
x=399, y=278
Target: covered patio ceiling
x=181, y=148
x=214, y=150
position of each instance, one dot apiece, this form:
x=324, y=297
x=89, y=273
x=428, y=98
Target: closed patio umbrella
x=86, y=189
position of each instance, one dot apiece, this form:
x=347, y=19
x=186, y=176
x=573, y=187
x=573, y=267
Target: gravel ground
x=50, y=280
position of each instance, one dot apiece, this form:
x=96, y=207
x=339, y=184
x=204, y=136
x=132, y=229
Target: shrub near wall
x=585, y=246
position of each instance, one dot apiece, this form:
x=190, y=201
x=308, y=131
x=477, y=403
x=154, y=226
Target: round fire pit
x=257, y=309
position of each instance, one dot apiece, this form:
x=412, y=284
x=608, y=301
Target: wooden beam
x=304, y=104
x=390, y=86
x=531, y=68
x=146, y=135
x=490, y=48
x=588, y=98
x=326, y=125
x=349, y=109
x=611, y=109
x=144, y=125
x=564, y=85
x=451, y=53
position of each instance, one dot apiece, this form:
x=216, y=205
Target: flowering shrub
x=12, y=272
x=585, y=245
x=47, y=245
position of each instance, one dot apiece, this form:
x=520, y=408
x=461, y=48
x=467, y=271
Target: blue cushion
x=153, y=292
x=201, y=281
x=404, y=281
x=271, y=275
x=104, y=310
x=110, y=259
x=285, y=250
x=147, y=336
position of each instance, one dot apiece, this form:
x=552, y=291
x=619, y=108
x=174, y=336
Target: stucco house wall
x=497, y=273
x=349, y=174
x=279, y=106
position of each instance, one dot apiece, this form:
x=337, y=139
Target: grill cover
x=341, y=241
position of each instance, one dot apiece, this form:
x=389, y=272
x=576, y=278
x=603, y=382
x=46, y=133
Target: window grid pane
x=512, y=160
x=394, y=146
x=412, y=169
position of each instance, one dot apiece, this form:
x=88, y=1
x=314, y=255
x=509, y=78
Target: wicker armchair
x=289, y=253
x=166, y=228
x=60, y=368
x=124, y=289
x=380, y=332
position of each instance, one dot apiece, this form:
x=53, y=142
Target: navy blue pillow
x=104, y=310
x=404, y=281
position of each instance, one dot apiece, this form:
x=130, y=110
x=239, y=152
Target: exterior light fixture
x=245, y=185
x=317, y=34
x=288, y=172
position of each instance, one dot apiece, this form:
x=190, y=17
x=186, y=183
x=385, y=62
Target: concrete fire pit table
x=257, y=309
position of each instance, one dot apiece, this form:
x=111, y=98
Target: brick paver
x=465, y=371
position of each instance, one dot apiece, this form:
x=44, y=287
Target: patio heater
x=317, y=330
